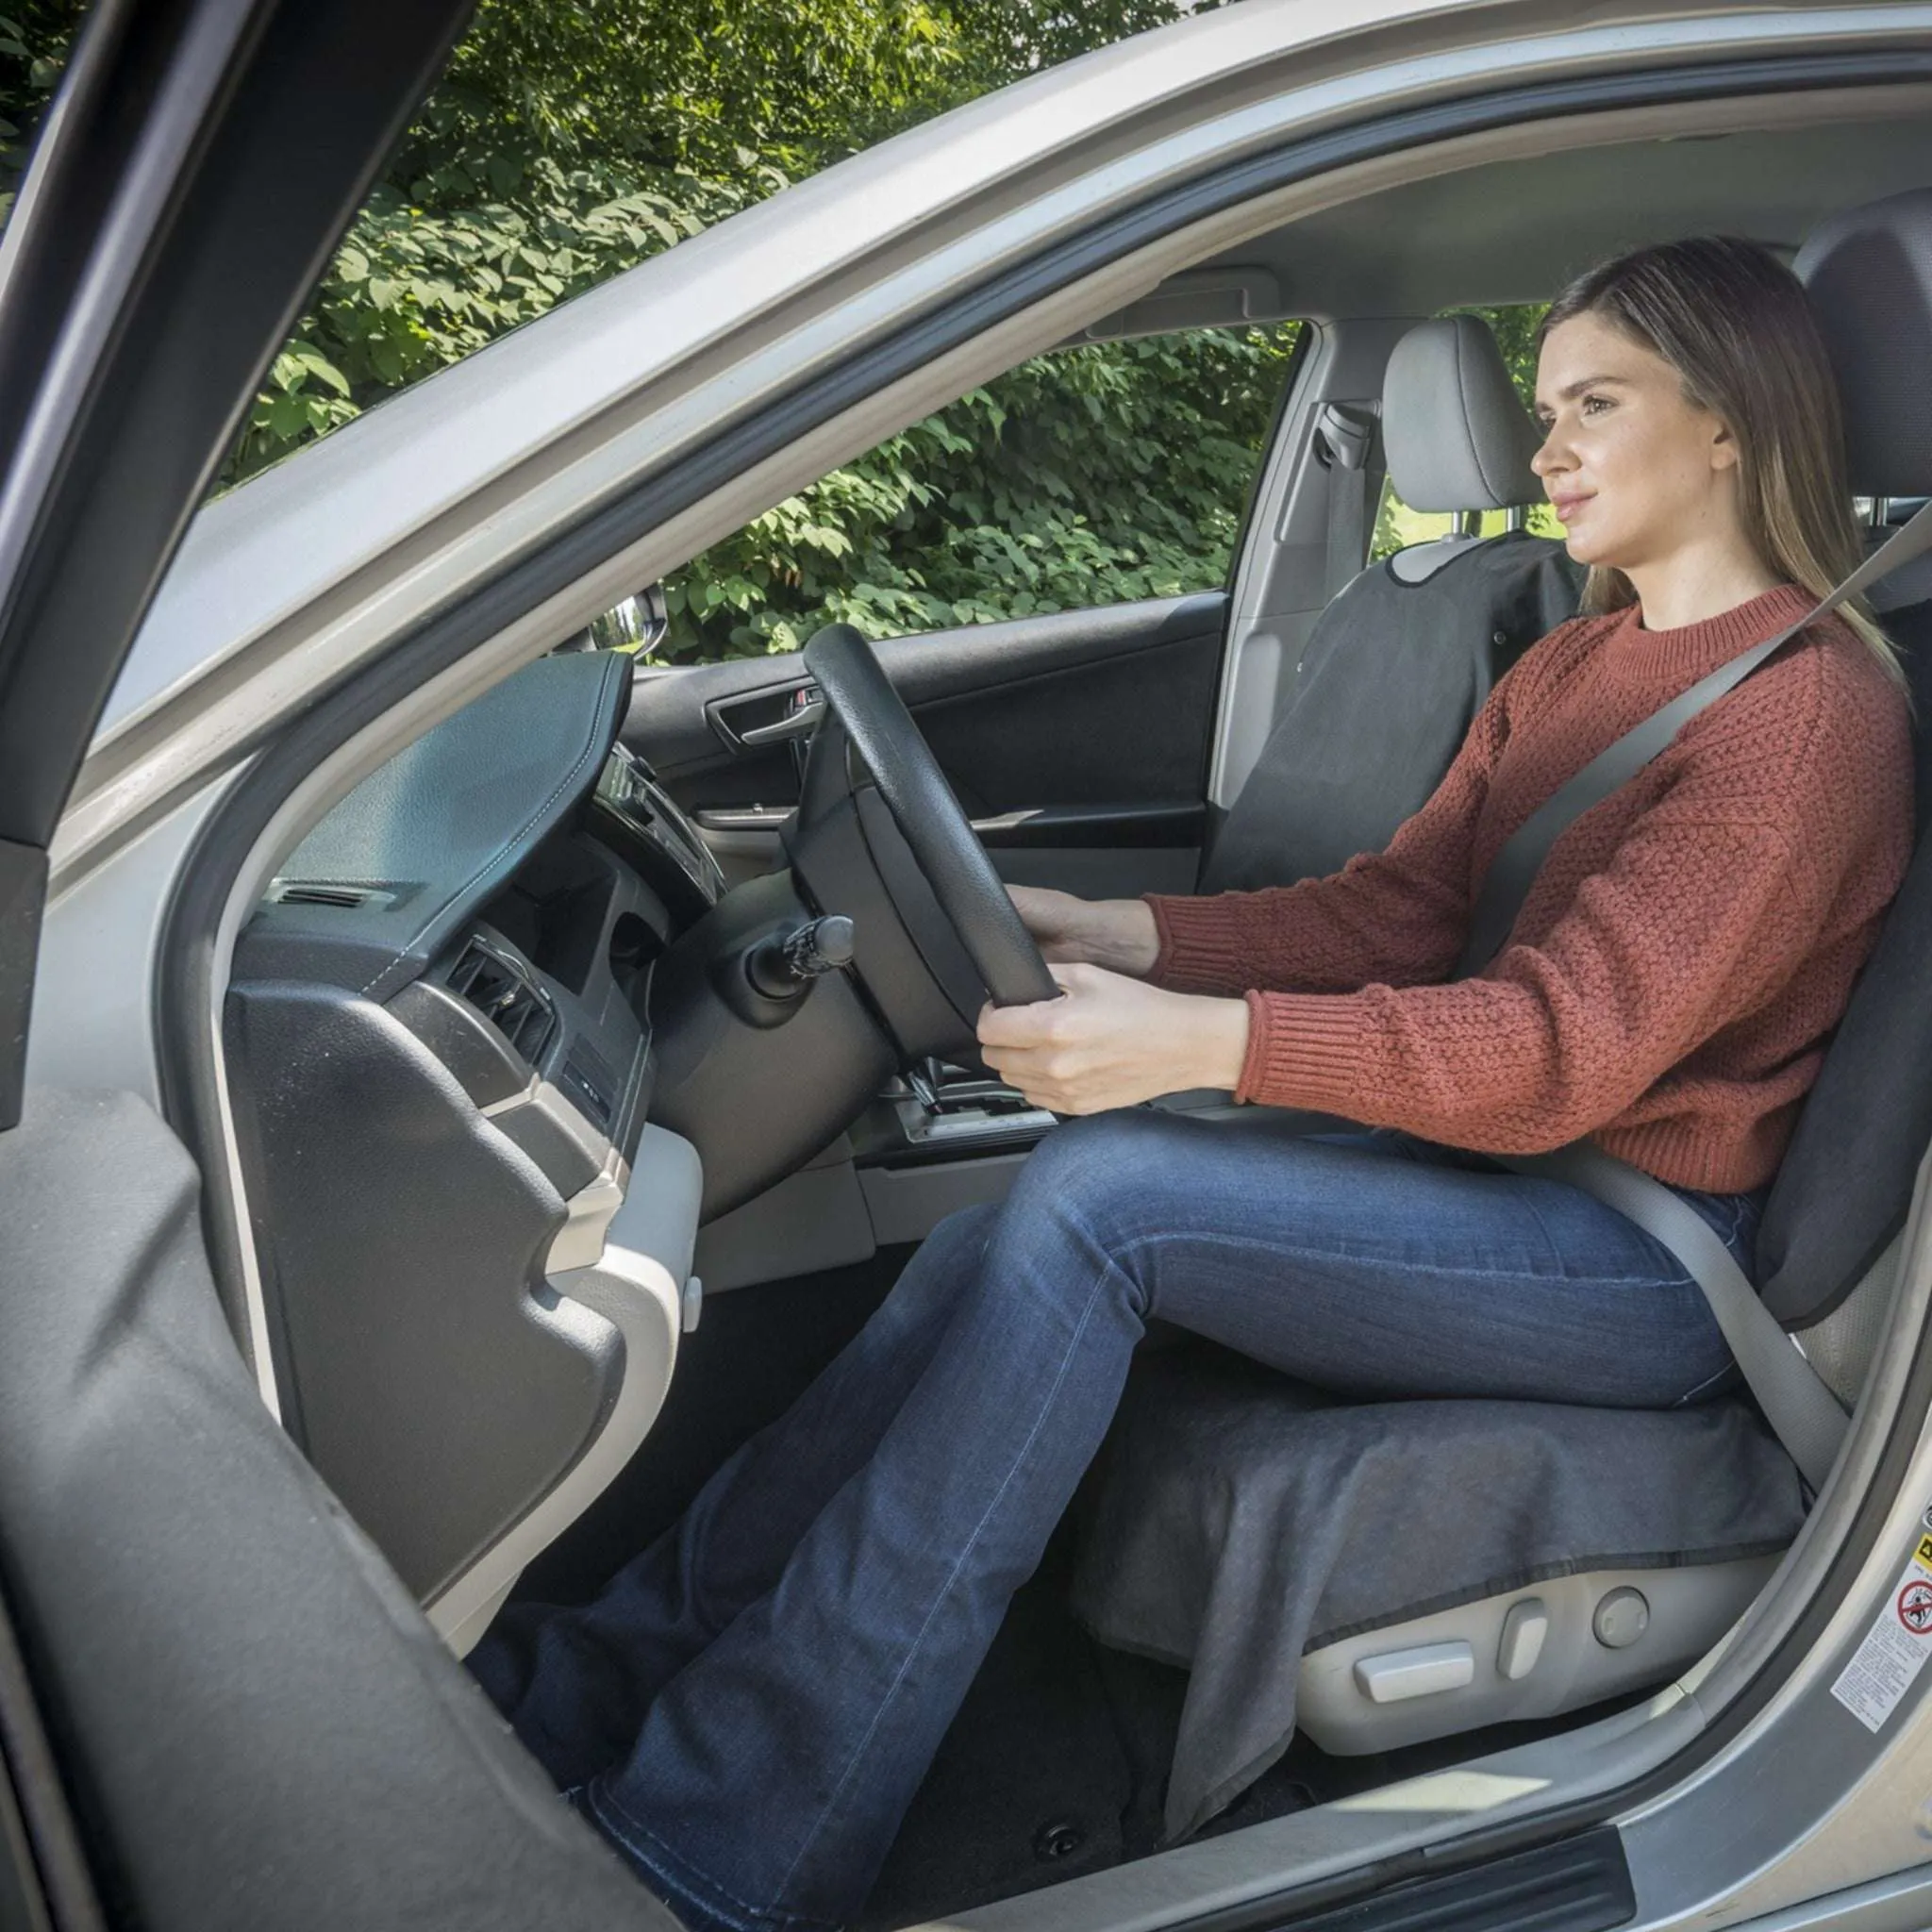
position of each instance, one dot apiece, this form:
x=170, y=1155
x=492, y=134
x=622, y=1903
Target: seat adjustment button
x=1523, y=1630
x=1620, y=1619
x=1419, y=1672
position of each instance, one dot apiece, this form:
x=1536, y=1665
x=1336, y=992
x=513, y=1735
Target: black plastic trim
x=1577, y=1885
x=1166, y=824
x=184, y=987
x=23, y=894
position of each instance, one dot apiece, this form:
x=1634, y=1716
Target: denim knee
x=1089, y=1182
x=1104, y=1160
x=947, y=1260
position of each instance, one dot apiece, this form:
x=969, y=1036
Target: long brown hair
x=1736, y=325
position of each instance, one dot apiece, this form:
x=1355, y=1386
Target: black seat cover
x=1847, y=1178
x=1391, y=679
x=1405, y=654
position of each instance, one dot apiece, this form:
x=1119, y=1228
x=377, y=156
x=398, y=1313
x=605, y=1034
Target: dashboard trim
x=636, y=1283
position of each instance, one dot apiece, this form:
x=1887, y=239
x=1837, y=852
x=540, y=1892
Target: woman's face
x=1634, y=472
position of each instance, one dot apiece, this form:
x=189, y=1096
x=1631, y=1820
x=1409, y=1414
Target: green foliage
x=1090, y=475
x=697, y=84
x=33, y=37
x=427, y=278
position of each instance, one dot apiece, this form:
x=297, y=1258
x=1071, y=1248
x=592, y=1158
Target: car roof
x=1517, y=230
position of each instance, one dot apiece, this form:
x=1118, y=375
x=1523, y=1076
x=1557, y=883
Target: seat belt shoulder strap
x=1513, y=870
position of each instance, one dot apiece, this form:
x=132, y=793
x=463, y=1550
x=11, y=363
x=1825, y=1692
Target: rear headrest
x=1869, y=273
x=1454, y=433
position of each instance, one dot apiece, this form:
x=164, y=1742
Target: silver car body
x=603, y=445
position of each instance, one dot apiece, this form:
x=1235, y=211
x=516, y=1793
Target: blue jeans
x=747, y=1708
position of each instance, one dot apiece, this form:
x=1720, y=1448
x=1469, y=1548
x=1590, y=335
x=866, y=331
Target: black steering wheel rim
x=929, y=818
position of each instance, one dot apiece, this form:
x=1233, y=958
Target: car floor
x=1057, y=1766
x=1056, y=1763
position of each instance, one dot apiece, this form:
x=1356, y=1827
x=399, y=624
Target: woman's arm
x=1117, y=934
x=1691, y=926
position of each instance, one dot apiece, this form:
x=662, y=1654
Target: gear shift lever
x=924, y=1081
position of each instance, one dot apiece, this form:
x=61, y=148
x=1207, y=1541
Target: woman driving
x=745, y=1712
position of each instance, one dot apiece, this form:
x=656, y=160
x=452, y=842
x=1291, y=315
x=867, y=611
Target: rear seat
x=1384, y=1574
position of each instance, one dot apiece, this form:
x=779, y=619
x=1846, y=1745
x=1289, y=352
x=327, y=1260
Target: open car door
x=217, y=1707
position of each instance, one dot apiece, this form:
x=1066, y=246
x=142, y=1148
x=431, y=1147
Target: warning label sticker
x=1886, y=1664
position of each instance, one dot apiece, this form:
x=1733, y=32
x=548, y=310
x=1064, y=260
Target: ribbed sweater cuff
x=1305, y=1050
x=1199, y=951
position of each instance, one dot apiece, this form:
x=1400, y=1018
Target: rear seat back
x=1405, y=654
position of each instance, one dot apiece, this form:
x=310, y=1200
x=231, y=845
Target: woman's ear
x=1723, y=446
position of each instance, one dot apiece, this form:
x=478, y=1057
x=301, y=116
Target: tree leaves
x=1090, y=475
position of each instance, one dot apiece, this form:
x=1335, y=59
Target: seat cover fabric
x=1390, y=680
x=1847, y=1181
x=1847, y=1178
x=1238, y=1521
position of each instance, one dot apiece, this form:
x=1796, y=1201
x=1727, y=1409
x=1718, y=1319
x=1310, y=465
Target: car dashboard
x=473, y=1247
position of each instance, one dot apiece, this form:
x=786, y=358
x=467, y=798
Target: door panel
x=249, y=1722
x=258, y=1726
x=1078, y=741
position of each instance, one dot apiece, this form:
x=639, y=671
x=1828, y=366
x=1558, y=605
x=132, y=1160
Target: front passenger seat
x=1405, y=655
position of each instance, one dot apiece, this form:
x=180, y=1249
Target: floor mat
x=1030, y=1785
x=1055, y=1766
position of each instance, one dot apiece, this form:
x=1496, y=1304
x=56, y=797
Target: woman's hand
x=1118, y=934
x=1112, y=1041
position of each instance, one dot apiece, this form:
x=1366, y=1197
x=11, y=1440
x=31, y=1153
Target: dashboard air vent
x=515, y=1006
x=347, y=898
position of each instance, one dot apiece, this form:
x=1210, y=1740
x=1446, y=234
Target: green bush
x=1089, y=476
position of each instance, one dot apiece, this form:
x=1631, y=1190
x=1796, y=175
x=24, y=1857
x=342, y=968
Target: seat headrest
x=1454, y=433
x=1869, y=274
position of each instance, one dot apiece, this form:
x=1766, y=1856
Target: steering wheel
x=940, y=837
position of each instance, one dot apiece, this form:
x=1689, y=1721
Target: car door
x=1077, y=742
x=1077, y=735
x=217, y=1707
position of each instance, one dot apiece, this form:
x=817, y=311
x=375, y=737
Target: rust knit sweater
x=1689, y=944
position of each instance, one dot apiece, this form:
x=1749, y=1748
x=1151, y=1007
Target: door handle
x=800, y=722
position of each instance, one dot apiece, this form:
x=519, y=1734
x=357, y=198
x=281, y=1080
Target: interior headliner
x=1515, y=230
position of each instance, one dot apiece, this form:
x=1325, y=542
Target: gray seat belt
x=1514, y=869
x=1343, y=439
x=1804, y=1414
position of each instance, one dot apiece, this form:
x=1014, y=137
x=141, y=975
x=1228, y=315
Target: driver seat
x=1378, y=1575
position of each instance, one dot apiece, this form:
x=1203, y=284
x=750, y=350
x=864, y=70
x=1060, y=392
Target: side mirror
x=637, y=624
